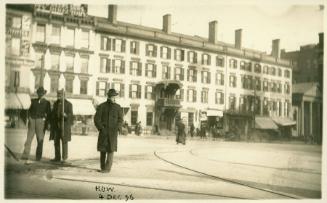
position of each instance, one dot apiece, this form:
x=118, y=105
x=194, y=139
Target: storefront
x=16, y=110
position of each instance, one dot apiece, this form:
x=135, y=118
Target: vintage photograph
x=163, y=101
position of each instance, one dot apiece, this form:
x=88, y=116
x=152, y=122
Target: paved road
x=157, y=168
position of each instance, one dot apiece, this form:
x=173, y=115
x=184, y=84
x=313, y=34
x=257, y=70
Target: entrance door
x=134, y=116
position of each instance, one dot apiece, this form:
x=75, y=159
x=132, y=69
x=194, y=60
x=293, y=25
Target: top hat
x=41, y=91
x=112, y=92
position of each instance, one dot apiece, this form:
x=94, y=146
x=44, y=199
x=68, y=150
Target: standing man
x=108, y=120
x=39, y=113
x=62, y=120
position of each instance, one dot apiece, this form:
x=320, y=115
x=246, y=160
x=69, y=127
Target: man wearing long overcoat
x=108, y=120
x=56, y=132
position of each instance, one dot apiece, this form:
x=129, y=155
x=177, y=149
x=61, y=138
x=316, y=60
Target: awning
x=284, y=121
x=265, y=123
x=212, y=112
x=82, y=107
x=18, y=101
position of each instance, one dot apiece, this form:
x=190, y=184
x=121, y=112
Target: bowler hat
x=112, y=92
x=41, y=90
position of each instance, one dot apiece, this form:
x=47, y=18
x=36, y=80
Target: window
x=70, y=37
x=85, y=39
x=15, y=46
x=101, y=88
x=219, y=78
x=165, y=72
x=265, y=85
x=151, y=50
x=69, y=85
x=165, y=53
x=192, y=57
x=232, y=102
x=191, y=75
x=134, y=47
x=265, y=107
x=257, y=68
x=120, y=88
x=118, y=66
x=287, y=88
x=179, y=94
x=179, y=55
x=54, y=84
x=149, y=94
x=272, y=71
x=279, y=87
x=150, y=70
x=40, y=33
x=119, y=45
x=265, y=69
x=70, y=63
x=135, y=68
x=287, y=74
x=83, y=87
x=16, y=22
x=242, y=65
x=286, y=108
x=204, y=96
x=104, y=65
x=55, y=34
x=134, y=91
x=149, y=118
x=205, y=77
x=38, y=80
x=179, y=73
x=105, y=43
x=191, y=95
x=243, y=102
x=257, y=84
x=279, y=72
x=233, y=63
x=219, y=97
x=134, y=117
x=220, y=61
x=248, y=66
x=257, y=105
x=232, y=81
x=205, y=59
x=38, y=60
x=55, y=62
x=14, y=79
x=84, y=64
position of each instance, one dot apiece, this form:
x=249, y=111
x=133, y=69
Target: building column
x=302, y=118
x=310, y=113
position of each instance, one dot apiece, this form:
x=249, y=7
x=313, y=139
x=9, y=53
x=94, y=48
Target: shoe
x=24, y=158
x=55, y=160
x=104, y=171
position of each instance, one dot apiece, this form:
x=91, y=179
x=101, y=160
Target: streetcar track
x=226, y=179
x=256, y=165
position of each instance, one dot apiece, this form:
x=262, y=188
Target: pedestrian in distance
x=192, y=129
x=138, y=128
x=181, y=135
x=61, y=122
x=38, y=122
x=108, y=120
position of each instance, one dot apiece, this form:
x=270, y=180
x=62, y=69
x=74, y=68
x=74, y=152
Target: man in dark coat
x=108, y=120
x=59, y=132
x=39, y=114
x=181, y=135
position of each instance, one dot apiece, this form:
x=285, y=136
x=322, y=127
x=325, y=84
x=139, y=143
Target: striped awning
x=265, y=123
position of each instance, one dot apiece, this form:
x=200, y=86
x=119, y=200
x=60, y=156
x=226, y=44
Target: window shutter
x=183, y=53
x=194, y=95
x=154, y=70
x=188, y=74
x=122, y=68
x=169, y=53
x=147, y=50
x=209, y=77
x=97, y=88
x=188, y=95
x=130, y=91
x=123, y=46
x=161, y=52
x=113, y=66
x=182, y=94
x=139, y=91
x=137, y=47
x=101, y=64
x=114, y=44
x=107, y=88
x=195, y=75
x=209, y=60
x=182, y=73
x=175, y=53
x=154, y=51
x=201, y=76
x=108, y=65
x=222, y=79
x=188, y=56
x=195, y=57
x=139, y=68
x=131, y=47
x=122, y=90
x=108, y=43
x=102, y=43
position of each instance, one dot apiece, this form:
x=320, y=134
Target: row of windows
x=55, y=35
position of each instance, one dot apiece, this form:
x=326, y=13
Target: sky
x=294, y=24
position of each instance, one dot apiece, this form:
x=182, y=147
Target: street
x=152, y=167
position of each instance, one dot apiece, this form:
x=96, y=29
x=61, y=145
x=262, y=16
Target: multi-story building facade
x=160, y=74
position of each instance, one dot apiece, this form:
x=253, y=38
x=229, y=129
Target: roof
x=304, y=88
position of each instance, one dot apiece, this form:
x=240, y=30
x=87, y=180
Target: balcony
x=164, y=102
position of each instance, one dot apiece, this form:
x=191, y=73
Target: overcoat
x=181, y=136
x=55, y=129
x=108, y=120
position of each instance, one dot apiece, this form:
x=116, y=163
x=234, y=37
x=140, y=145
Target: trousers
x=64, y=145
x=35, y=126
x=106, y=159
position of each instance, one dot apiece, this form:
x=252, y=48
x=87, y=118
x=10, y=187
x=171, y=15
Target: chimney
x=166, y=26
x=321, y=40
x=238, y=38
x=275, y=48
x=213, y=31
x=112, y=14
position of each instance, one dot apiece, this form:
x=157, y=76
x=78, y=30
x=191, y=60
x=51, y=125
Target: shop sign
x=63, y=9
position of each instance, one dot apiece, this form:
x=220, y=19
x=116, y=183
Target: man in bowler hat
x=61, y=131
x=38, y=120
x=108, y=120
